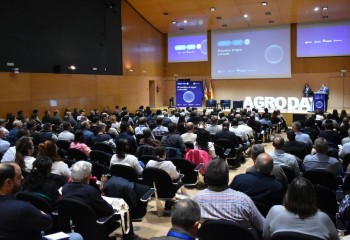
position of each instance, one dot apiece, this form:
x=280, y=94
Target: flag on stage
x=205, y=90
x=211, y=91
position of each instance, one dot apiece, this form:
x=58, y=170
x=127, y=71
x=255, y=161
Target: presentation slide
x=189, y=93
x=187, y=48
x=253, y=53
x=326, y=39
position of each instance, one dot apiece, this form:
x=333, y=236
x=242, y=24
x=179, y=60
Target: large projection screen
x=252, y=53
x=323, y=39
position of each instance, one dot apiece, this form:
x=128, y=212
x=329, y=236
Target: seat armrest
x=180, y=176
x=147, y=195
x=104, y=219
x=178, y=180
x=198, y=167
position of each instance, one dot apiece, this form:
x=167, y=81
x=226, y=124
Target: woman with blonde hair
x=49, y=149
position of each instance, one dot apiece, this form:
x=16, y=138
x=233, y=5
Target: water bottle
x=339, y=194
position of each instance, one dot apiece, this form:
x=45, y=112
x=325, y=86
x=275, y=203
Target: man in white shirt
x=189, y=136
x=161, y=163
x=66, y=134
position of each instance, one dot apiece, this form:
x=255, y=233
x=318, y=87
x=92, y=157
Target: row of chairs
x=77, y=216
x=212, y=103
x=228, y=230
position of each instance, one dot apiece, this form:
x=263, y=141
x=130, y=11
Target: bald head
x=278, y=142
x=189, y=126
x=264, y=163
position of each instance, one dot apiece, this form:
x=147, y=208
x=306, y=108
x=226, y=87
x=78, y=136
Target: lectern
x=319, y=101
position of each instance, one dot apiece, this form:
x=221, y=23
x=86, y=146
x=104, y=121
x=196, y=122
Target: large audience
x=272, y=195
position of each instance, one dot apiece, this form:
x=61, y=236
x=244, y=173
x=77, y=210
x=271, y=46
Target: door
x=152, y=93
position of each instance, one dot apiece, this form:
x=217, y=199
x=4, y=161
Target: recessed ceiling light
x=324, y=8
x=264, y=3
x=245, y=15
x=212, y=9
x=267, y=13
x=72, y=67
x=173, y=22
x=316, y=9
x=185, y=21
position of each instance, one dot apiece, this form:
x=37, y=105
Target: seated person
x=292, y=146
x=218, y=201
x=161, y=163
x=59, y=167
x=131, y=192
x=266, y=120
x=299, y=213
x=226, y=134
x=39, y=182
x=185, y=216
x=259, y=185
x=80, y=189
x=203, y=142
x=19, y=219
x=122, y=157
x=10, y=154
x=103, y=137
x=321, y=159
x=79, y=144
x=189, y=136
x=24, y=152
x=332, y=137
x=173, y=139
x=66, y=135
x=148, y=138
x=125, y=133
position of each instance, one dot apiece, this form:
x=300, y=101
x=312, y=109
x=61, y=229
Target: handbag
x=122, y=208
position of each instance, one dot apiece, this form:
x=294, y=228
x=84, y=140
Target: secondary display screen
x=189, y=93
x=318, y=40
x=257, y=53
x=187, y=48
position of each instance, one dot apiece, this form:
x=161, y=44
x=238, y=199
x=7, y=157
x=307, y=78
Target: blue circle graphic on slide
x=319, y=104
x=274, y=54
x=188, y=96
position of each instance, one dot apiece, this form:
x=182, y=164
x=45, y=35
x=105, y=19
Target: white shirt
x=9, y=155
x=189, y=137
x=60, y=168
x=28, y=162
x=167, y=166
x=129, y=160
x=66, y=135
x=239, y=133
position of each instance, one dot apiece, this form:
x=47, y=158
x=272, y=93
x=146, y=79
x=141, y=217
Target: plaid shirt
x=160, y=131
x=229, y=205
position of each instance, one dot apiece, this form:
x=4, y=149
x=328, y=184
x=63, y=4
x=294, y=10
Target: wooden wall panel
x=14, y=106
x=81, y=86
x=14, y=87
x=142, y=50
x=48, y=86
